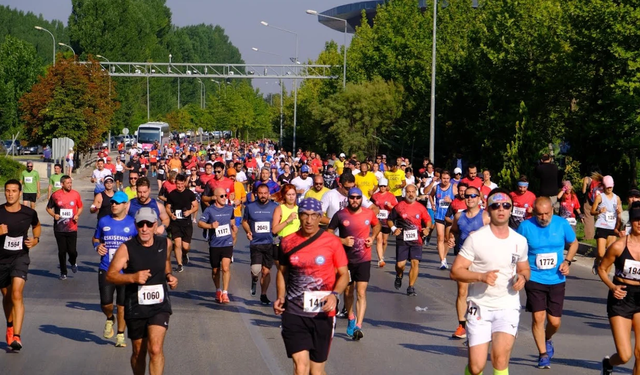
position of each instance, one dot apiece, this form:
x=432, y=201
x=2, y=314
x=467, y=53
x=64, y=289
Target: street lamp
x=54, y=42
x=68, y=46
x=344, y=74
x=202, y=94
x=170, y=56
x=145, y=72
x=109, y=141
x=281, y=89
x=295, y=83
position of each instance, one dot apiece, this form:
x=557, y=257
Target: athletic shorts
x=359, y=272
x=107, y=289
x=31, y=197
x=483, y=323
x=604, y=233
x=217, y=253
x=181, y=231
x=153, y=163
x=542, y=297
x=385, y=230
x=441, y=221
x=405, y=252
x=262, y=254
x=161, y=177
x=626, y=307
x=119, y=176
x=432, y=215
x=304, y=333
x=137, y=328
x=238, y=221
x=19, y=267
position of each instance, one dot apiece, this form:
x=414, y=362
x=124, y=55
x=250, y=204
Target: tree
x=72, y=100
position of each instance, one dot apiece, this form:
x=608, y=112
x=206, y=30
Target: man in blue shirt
x=219, y=219
x=111, y=232
x=547, y=234
x=257, y=224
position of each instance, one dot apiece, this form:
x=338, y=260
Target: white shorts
x=482, y=323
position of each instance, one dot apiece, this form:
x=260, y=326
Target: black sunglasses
x=467, y=196
x=143, y=223
x=222, y=196
x=355, y=197
x=218, y=171
x=505, y=205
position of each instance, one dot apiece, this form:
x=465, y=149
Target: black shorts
x=262, y=254
x=385, y=230
x=181, y=231
x=359, y=272
x=107, y=289
x=31, y=197
x=303, y=333
x=542, y=297
x=19, y=267
x=217, y=253
x=153, y=163
x=439, y=221
x=161, y=177
x=405, y=251
x=119, y=176
x=137, y=328
x=604, y=233
x=626, y=307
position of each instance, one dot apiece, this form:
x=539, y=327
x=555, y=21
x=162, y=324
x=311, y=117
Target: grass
x=580, y=235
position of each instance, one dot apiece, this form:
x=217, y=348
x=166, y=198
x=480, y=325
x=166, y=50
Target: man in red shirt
x=472, y=177
x=110, y=166
x=316, y=164
x=218, y=181
x=523, y=202
x=385, y=202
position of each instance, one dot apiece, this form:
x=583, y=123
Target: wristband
x=335, y=293
x=393, y=229
x=93, y=206
x=95, y=244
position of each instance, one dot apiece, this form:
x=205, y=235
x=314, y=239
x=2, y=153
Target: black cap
x=634, y=211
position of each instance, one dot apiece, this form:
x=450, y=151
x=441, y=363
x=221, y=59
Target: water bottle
x=421, y=309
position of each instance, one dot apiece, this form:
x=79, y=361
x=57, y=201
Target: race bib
x=13, y=243
x=312, y=301
x=112, y=252
x=57, y=184
x=443, y=204
x=201, y=170
x=572, y=220
x=383, y=214
x=262, y=227
x=178, y=214
x=546, y=261
x=473, y=311
x=223, y=230
x=150, y=294
x=161, y=171
x=610, y=217
x=631, y=269
x=410, y=235
x=66, y=213
x=519, y=211
x=142, y=165
x=28, y=180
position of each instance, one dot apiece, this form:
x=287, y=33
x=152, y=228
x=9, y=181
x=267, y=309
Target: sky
x=241, y=21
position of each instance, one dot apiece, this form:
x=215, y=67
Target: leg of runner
x=186, y=246
x=542, y=334
x=620, y=328
x=477, y=359
x=348, y=304
x=177, y=247
x=13, y=305
x=265, y=280
x=461, y=310
x=442, y=247
x=382, y=241
x=501, y=346
x=399, y=273
x=139, y=356
x=7, y=306
x=361, y=307
x=155, y=344
x=120, y=341
x=108, y=327
x=226, y=277
x=413, y=276
x=302, y=362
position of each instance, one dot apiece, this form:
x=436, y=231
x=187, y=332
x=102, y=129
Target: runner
x=119, y=174
x=15, y=220
x=412, y=221
x=472, y=177
x=162, y=171
x=54, y=180
x=308, y=288
x=181, y=204
x=465, y=223
x=143, y=265
x=523, y=201
x=441, y=197
x=218, y=181
x=591, y=187
x=303, y=182
x=354, y=224
x=607, y=208
x=218, y=218
x=285, y=216
x=396, y=180
x=494, y=260
x=318, y=190
x=131, y=189
x=30, y=180
x=569, y=205
x=366, y=181
x=101, y=201
x=458, y=204
x=240, y=199
x=546, y=236
x=65, y=206
x=257, y=224
x=111, y=232
x=143, y=199
x=385, y=201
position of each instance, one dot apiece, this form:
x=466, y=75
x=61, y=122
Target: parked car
x=8, y=147
x=32, y=150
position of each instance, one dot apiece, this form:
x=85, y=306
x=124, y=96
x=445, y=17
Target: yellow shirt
x=339, y=166
x=366, y=183
x=311, y=193
x=293, y=226
x=395, y=179
x=240, y=194
x=131, y=192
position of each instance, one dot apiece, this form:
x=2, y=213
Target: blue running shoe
x=544, y=361
x=550, y=350
x=351, y=326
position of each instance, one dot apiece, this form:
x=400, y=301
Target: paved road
x=63, y=325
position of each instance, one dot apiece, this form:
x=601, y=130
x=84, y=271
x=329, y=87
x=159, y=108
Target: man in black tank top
x=101, y=202
x=147, y=278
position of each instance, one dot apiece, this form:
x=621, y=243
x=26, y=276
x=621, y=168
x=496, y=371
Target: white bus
x=152, y=132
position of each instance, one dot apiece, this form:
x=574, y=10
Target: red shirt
x=523, y=201
x=316, y=165
x=357, y=225
x=66, y=204
x=313, y=268
x=110, y=167
x=458, y=205
x=409, y=217
x=385, y=202
x=568, y=205
x=225, y=183
x=476, y=182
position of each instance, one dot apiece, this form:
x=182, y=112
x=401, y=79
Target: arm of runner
x=33, y=241
x=613, y=251
x=374, y=234
x=594, y=207
x=460, y=272
x=281, y=288
x=97, y=203
x=342, y=280
x=454, y=230
x=118, y=263
x=523, y=273
x=247, y=229
x=194, y=207
x=172, y=281
x=164, y=218
x=571, y=253
x=276, y=225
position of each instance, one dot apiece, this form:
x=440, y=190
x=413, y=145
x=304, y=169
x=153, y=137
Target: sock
x=543, y=354
x=18, y=336
x=9, y=324
x=224, y=292
x=113, y=318
x=359, y=326
x=463, y=323
x=120, y=333
x=501, y=372
x=218, y=290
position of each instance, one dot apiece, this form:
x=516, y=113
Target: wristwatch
x=568, y=261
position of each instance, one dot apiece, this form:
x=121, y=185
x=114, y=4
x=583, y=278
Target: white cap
x=342, y=155
x=457, y=170
x=383, y=182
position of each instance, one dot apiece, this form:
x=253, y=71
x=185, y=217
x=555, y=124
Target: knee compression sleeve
x=256, y=269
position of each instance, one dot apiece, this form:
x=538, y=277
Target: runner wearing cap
x=339, y=164
x=308, y=286
x=101, y=201
x=142, y=264
x=607, y=208
x=111, y=232
x=303, y=182
x=30, y=185
x=354, y=224
x=457, y=176
x=385, y=201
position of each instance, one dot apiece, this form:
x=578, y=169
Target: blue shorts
x=432, y=215
x=238, y=221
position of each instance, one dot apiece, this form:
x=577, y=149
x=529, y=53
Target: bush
x=9, y=169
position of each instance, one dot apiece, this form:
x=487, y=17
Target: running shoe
x=411, y=291
x=351, y=326
x=16, y=343
x=108, y=329
x=63, y=277
x=550, y=349
x=219, y=296
x=544, y=361
x=594, y=269
x=224, y=298
x=444, y=265
x=9, y=335
x=264, y=300
x=74, y=268
x=357, y=334
x=180, y=268
x=381, y=263
x=342, y=313
x=120, y=341
x=185, y=258
x=460, y=332
x=607, y=369
x=398, y=283
x=254, y=282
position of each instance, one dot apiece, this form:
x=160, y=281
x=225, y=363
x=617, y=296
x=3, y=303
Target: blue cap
x=305, y=168
x=120, y=197
x=355, y=191
x=310, y=204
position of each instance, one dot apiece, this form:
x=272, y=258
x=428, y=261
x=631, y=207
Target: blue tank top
x=467, y=225
x=442, y=206
x=113, y=233
x=135, y=205
x=259, y=217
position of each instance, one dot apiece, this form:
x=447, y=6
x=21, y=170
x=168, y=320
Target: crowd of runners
x=324, y=223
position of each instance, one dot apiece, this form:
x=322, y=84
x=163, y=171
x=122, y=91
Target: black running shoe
x=180, y=268
x=607, y=369
x=264, y=300
x=411, y=291
x=357, y=334
x=398, y=283
x=343, y=313
x=253, y=286
x=185, y=258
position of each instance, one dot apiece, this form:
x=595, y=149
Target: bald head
x=220, y=196
x=543, y=211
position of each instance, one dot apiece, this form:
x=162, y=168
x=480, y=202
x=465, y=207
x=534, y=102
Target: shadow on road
x=43, y=273
x=74, y=334
x=266, y=323
x=597, y=300
x=410, y=327
x=570, y=362
x=456, y=351
x=84, y=306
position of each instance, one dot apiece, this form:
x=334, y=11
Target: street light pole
x=68, y=46
x=54, y=42
x=344, y=73
x=109, y=141
x=281, y=89
x=201, y=93
x=432, y=122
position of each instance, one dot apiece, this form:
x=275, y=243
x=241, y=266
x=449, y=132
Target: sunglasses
x=355, y=197
x=218, y=172
x=222, y=196
x=133, y=178
x=114, y=202
x=467, y=196
x=382, y=185
x=505, y=205
x=143, y=223
x=318, y=183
